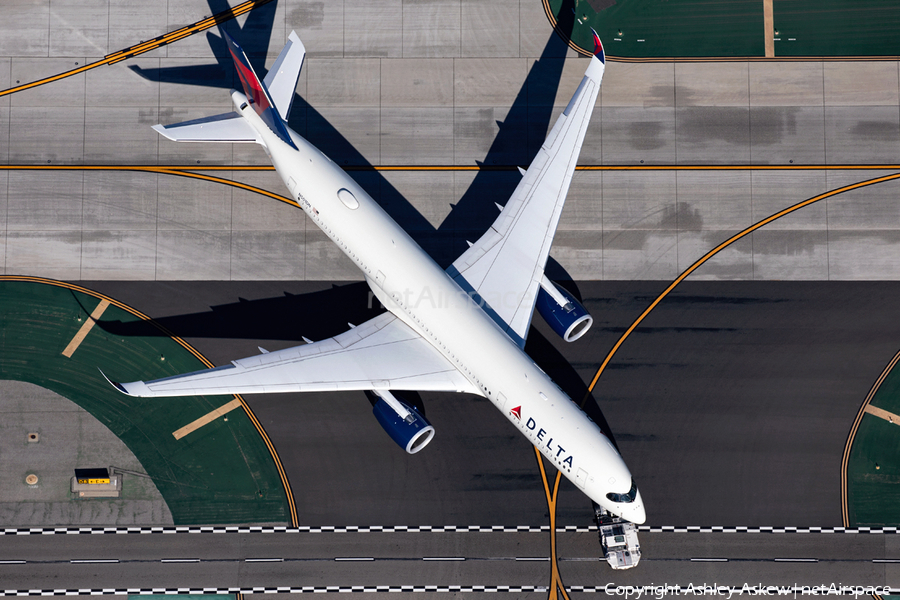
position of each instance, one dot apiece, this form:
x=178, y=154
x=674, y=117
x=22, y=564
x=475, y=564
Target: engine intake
x=409, y=429
x=565, y=315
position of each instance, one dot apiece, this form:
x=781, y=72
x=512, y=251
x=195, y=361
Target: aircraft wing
x=505, y=266
x=382, y=353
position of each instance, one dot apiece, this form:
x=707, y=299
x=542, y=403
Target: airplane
x=462, y=329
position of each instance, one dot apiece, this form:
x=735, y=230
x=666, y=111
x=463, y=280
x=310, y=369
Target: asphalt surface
x=218, y=561
x=731, y=404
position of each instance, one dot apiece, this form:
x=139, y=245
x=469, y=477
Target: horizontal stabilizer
x=228, y=127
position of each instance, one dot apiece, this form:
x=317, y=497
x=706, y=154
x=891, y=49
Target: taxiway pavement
x=731, y=404
x=430, y=83
x=219, y=561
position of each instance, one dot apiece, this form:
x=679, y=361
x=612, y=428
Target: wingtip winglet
x=161, y=130
x=118, y=386
x=598, y=47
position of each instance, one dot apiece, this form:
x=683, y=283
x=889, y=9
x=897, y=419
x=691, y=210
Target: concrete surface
x=68, y=438
x=418, y=83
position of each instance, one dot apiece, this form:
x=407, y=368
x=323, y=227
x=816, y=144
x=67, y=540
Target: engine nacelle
x=403, y=423
x=565, y=315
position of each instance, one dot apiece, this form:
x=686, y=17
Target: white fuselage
x=415, y=289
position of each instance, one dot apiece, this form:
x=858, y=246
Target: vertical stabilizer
x=281, y=80
x=256, y=92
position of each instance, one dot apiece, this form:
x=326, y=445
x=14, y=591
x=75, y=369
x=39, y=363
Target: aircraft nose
x=638, y=514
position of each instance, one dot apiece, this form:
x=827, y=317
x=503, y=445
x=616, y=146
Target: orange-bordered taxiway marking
x=557, y=587
x=141, y=48
x=189, y=171
x=719, y=248
x=722, y=246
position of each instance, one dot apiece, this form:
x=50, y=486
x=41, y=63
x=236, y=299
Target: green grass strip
x=221, y=473
x=837, y=28
x=733, y=28
x=667, y=28
x=873, y=470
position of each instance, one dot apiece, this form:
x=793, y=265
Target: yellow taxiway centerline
x=557, y=588
x=179, y=169
x=85, y=329
x=718, y=249
x=147, y=46
x=845, y=459
x=188, y=171
x=715, y=251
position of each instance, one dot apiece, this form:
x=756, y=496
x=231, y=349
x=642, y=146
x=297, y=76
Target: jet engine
x=565, y=315
x=404, y=424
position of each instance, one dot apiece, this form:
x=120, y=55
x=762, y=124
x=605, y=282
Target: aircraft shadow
x=315, y=315
x=519, y=137
x=517, y=142
x=254, y=37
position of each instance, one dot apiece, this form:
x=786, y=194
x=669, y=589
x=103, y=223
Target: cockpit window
x=629, y=497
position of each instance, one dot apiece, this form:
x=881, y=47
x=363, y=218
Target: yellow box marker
x=883, y=414
x=94, y=481
x=85, y=329
x=769, y=27
x=206, y=419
